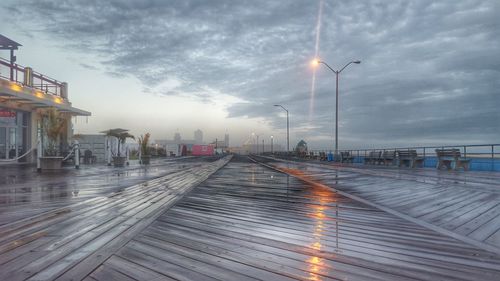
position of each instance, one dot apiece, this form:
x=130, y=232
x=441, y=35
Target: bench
x=388, y=157
x=88, y=158
x=374, y=157
x=322, y=156
x=451, y=159
x=410, y=159
x=346, y=157
x=311, y=155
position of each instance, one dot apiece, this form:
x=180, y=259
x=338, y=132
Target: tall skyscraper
x=226, y=140
x=177, y=137
x=198, y=137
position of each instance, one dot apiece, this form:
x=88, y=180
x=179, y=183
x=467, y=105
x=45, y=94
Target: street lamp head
x=315, y=62
x=357, y=62
x=276, y=105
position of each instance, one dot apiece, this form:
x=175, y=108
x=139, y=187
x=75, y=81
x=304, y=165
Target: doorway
x=9, y=146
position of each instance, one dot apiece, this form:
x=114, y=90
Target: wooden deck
x=69, y=242
x=250, y=223
x=241, y=222
x=466, y=204
x=25, y=193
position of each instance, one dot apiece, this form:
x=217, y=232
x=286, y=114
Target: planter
x=145, y=159
x=51, y=162
x=119, y=161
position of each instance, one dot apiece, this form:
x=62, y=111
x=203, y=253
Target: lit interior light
x=16, y=87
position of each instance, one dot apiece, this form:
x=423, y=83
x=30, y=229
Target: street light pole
x=257, y=144
x=287, y=128
x=272, y=141
x=337, y=72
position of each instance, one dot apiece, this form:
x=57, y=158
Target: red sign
x=202, y=150
x=7, y=113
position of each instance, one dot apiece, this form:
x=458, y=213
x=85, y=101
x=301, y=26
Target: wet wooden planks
x=71, y=242
x=27, y=193
x=466, y=203
x=250, y=223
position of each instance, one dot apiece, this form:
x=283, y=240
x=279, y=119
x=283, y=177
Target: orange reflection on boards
x=322, y=196
x=315, y=268
x=316, y=246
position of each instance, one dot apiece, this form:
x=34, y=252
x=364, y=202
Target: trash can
x=330, y=157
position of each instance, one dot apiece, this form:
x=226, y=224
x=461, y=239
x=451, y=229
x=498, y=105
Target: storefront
x=14, y=133
x=25, y=98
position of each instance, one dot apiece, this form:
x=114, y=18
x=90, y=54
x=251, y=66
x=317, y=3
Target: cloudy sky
x=430, y=71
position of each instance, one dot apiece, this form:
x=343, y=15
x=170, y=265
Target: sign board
x=202, y=150
x=5, y=113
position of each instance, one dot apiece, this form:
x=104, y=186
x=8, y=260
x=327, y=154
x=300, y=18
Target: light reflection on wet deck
x=248, y=222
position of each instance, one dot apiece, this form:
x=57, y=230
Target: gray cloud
x=430, y=70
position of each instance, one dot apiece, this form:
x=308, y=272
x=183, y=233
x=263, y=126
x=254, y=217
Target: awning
x=14, y=92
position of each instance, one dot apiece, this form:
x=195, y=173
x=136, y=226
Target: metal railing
x=484, y=157
x=41, y=82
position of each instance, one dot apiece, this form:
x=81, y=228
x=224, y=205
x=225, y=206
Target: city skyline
x=428, y=74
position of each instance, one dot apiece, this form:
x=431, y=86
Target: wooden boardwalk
x=464, y=203
x=247, y=222
x=25, y=193
x=69, y=242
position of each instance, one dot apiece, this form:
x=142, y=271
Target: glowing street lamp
x=272, y=141
x=316, y=62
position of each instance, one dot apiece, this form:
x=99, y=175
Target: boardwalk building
x=24, y=95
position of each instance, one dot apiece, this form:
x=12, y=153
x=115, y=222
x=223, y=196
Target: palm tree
x=53, y=125
x=121, y=135
x=144, y=143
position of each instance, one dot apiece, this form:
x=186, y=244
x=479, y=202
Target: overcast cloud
x=430, y=71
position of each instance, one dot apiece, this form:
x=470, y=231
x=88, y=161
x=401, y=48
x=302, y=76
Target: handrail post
x=77, y=154
x=108, y=151
x=39, y=153
x=492, y=157
x=128, y=155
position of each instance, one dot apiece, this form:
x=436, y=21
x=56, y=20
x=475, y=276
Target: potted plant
x=122, y=136
x=53, y=124
x=144, y=147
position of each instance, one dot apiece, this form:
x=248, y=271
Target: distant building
x=255, y=149
x=226, y=140
x=219, y=144
x=175, y=146
x=177, y=137
x=96, y=144
x=198, y=137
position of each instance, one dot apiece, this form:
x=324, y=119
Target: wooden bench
x=374, y=157
x=346, y=157
x=410, y=158
x=388, y=157
x=322, y=156
x=451, y=159
x=311, y=155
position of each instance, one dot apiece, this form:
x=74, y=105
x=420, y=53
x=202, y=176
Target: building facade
x=25, y=97
x=198, y=137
